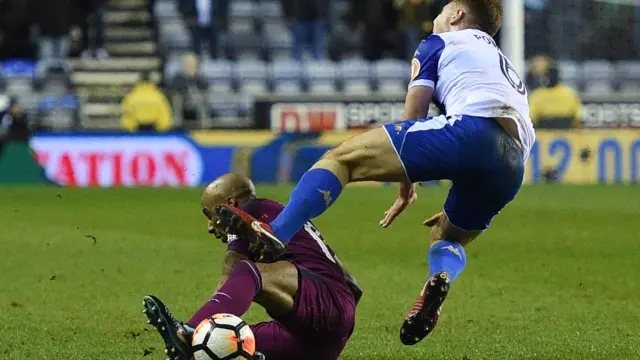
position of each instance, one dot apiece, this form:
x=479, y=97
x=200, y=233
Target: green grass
x=556, y=277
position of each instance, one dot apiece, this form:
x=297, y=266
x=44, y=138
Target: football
x=223, y=337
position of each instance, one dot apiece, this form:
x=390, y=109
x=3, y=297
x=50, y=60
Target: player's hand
x=432, y=221
x=408, y=195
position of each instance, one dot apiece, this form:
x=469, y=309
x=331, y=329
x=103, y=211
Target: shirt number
x=511, y=75
x=315, y=234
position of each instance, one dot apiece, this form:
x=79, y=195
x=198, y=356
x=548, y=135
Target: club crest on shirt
x=415, y=68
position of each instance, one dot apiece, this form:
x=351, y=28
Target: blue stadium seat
x=571, y=74
x=270, y=9
x=219, y=75
x=286, y=77
x=242, y=9
x=599, y=76
x=171, y=67
x=391, y=76
x=243, y=46
x=252, y=76
x=278, y=26
x=278, y=44
x=321, y=77
x=174, y=36
x=356, y=76
x=165, y=10
x=18, y=69
x=628, y=76
x=241, y=25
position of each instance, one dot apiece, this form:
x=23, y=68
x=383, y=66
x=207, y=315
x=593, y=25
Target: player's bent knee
x=279, y=286
x=445, y=230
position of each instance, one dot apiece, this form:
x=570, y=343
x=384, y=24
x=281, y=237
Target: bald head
x=230, y=188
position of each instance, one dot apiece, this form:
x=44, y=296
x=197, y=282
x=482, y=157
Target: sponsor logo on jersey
x=415, y=68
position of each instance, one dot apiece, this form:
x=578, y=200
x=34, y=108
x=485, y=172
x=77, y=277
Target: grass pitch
x=556, y=277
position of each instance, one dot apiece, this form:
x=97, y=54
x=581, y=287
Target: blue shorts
x=484, y=163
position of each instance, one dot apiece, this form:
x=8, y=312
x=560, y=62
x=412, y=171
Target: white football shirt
x=471, y=76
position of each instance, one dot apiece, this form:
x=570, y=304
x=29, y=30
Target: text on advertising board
x=366, y=114
x=586, y=156
x=602, y=115
x=119, y=161
x=307, y=117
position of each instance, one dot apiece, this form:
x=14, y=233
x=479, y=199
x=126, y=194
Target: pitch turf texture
x=557, y=276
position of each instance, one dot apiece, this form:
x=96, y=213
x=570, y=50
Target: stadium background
x=555, y=278
x=243, y=95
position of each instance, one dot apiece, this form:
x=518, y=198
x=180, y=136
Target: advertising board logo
x=603, y=114
x=367, y=114
x=307, y=117
x=119, y=161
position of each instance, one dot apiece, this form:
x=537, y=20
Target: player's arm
x=424, y=77
x=416, y=104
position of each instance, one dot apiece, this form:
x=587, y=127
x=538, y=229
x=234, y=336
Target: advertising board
x=339, y=113
x=119, y=160
x=585, y=157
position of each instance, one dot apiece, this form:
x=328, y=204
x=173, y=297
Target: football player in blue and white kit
x=481, y=144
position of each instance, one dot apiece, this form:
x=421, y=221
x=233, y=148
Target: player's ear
x=458, y=16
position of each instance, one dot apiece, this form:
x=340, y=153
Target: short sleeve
x=424, y=66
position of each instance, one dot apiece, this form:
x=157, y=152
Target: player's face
x=211, y=228
x=208, y=209
x=209, y=202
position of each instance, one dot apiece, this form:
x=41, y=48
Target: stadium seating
x=599, y=77
x=255, y=61
x=257, y=32
x=286, y=77
x=252, y=76
x=321, y=77
x=390, y=76
x=219, y=75
x=628, y=73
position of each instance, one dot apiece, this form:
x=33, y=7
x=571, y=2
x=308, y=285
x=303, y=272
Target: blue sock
x=313, y=195
x=447, y=256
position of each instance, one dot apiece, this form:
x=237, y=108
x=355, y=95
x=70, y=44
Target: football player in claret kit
x=480, y=143
x=307, y=292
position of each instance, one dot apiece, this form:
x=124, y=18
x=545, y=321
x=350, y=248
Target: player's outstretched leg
x=234, y=296
x=176, y=336
x=366, y=157
x=447, y=259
